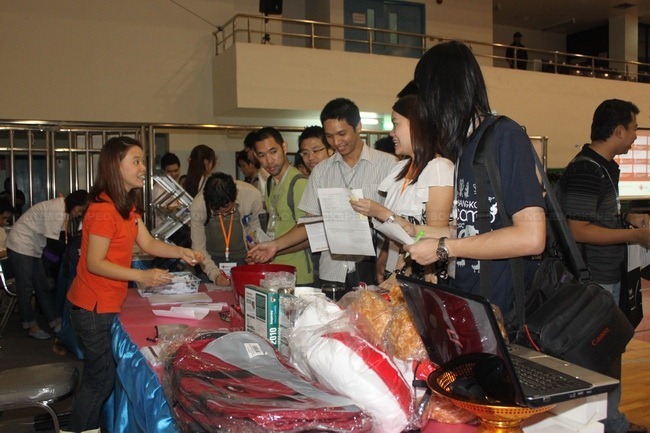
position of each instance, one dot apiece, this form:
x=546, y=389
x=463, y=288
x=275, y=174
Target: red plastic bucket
x=253, y=274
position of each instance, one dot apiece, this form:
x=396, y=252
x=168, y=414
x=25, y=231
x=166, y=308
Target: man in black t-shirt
x=588, y=194
x=516, y=53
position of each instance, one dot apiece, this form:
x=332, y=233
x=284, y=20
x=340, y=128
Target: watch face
x=442, y=252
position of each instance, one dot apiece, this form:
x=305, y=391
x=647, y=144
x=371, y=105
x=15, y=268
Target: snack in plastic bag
x=371, y=314
x=442, y=410
x=401, y=339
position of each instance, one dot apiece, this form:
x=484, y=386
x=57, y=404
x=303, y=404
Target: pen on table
x=417, y=238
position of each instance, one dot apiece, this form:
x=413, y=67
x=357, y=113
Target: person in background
x=419, y=190
x=354, y=165
x=312, y=146
x=299, y=164
x=283, y=195
x=248, y=168
x=262, y=175
x=39, y=226
x=312, y=149
x=19, y=197
x=588, y=194
x=223, y=213
x=201, y=162
x=516, y=53
x=111, y=227
x=6, y=213
x=170, y=165
x=454, y=111
x=385, y=144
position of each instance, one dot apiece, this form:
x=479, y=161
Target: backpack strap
x=290, y=199
x=486, y=169
x=292, y=205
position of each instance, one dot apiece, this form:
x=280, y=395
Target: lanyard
x=354, y=173
x=226, y=237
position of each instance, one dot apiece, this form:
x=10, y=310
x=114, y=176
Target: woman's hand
x=370, y=208
x=155, y=277
x=191, y=257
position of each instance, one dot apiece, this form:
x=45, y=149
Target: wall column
x=624, y=41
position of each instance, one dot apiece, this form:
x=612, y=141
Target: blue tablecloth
x=138, y=403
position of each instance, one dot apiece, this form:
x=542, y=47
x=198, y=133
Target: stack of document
x=182, y=283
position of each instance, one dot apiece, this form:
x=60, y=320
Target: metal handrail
x=263, y=28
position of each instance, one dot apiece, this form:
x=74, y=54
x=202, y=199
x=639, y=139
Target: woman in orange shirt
x=111, y=226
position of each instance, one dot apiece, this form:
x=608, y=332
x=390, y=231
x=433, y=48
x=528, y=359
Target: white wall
x=152, y=61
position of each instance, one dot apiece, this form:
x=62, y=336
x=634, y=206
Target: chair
x=8, y=287
x=37, y=386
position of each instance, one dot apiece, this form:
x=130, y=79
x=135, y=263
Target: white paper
x=151, y=354
x=637, y=257
x=214, y=306
x=179, y=299
x=262, y=236
x=348, y=232
x=193, y=313
x=395, y=232
x=317, y=237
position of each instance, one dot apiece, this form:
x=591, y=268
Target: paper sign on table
x=179, y=299
x=194, y=313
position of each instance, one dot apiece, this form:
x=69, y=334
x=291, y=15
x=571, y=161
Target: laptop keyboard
x=537, y=379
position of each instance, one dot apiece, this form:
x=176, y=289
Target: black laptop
x=458, y=327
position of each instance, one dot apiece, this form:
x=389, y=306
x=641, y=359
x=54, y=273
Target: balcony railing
x=322, y=35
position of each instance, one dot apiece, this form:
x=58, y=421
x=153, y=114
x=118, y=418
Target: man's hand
x=642, y=236
x=638, y=220
x=262, y=253
x=423, y=251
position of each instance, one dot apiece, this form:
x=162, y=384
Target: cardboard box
x=583, y=410
x=261, y=313
x=550, y=423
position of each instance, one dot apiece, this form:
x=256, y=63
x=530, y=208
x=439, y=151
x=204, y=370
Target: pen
x=250, y=239
x=417, y=238
x=223, y=274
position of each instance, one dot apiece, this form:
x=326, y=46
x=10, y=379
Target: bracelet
x=390, y=219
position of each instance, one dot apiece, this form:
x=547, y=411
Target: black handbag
x=631, y=299
x=563, y=313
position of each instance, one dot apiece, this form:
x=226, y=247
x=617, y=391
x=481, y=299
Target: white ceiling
x=565, y=16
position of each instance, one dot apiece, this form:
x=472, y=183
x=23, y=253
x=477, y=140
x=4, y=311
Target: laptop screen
x=460, y=327
x=456, y=325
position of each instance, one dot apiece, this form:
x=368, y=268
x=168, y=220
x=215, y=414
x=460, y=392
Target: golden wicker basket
x=495, y=418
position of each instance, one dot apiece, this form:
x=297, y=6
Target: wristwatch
x=442, y=251
x=390, y=219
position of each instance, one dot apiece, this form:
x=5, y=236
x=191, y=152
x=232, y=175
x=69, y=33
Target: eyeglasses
x=231, y=211
x=305, y=153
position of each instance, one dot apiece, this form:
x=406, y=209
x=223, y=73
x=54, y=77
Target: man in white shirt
x=354, y=166
x=25, y=245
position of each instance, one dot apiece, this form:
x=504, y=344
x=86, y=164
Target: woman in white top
x=419, y=190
